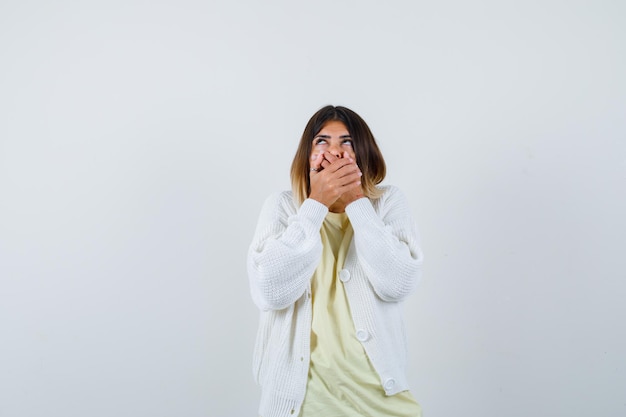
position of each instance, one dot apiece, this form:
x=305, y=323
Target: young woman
x=330, y=263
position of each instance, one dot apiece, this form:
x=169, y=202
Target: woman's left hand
x=350, y=195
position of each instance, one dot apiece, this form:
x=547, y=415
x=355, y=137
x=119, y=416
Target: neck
x=337, y=207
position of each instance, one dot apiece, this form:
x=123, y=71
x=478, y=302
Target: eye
x=347, y=142
x=320, y=141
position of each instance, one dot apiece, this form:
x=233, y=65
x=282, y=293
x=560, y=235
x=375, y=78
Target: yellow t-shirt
x=342, y=381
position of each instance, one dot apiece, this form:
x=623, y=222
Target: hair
x=368, y=156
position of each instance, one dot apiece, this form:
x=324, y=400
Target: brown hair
x=368, y=155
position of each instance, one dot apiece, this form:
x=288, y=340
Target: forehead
x=334, y=127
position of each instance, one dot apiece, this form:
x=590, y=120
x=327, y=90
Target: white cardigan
x=383, y=266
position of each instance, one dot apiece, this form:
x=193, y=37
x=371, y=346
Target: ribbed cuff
x=313, y=210
x=361, y=212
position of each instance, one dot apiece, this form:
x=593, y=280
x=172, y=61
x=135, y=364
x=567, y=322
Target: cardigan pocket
x=273, y=327
x=259, y=360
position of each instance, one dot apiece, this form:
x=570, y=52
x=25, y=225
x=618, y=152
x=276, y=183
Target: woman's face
x=334, y=138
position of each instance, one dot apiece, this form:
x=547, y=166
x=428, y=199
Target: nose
x=335, y=149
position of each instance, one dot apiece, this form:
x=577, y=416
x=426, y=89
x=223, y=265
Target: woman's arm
x=285, y=251
x=387, y=244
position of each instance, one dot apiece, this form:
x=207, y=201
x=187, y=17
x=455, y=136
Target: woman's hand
x=335, y=182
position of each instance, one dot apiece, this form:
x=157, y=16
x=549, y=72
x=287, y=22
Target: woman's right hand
x=332, y=179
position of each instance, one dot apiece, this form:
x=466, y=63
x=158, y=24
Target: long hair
x=368, y=155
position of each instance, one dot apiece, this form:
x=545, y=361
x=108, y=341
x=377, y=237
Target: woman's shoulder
x=389, y=191
x=284, y=196
x=390, y=196
x=386, y=188
x=281, y=200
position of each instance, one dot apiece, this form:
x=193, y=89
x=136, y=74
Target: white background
x=138, y=140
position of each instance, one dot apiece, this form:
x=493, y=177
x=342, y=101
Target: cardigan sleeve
x=387, y=244
x=285, y=251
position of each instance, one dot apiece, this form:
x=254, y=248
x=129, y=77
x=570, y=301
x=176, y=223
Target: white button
x=344, y=275
x=362, y=335
x=389, y=383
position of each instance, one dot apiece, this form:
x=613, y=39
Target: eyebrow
x=328, y=136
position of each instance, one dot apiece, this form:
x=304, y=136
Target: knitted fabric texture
x=382, y=268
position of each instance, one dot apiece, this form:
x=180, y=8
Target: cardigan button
x=362, y=335
x=344, y=275
x=389, y=384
